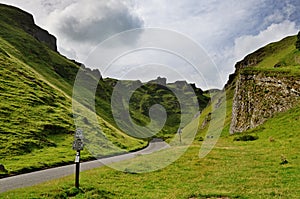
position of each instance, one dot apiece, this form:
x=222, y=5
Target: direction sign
x=78, y=134
x=78, y=145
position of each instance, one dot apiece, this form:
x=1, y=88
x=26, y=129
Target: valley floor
x=233, y=169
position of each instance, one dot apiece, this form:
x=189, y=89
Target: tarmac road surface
x=29, y=179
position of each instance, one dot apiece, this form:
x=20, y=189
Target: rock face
x=25, y=21
x=258, y=96
x=39, y=33
x=43, y=36
x=160, y=80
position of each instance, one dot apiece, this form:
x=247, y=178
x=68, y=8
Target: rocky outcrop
x=40, y=34
x=25, y=21
x=43, y=36
x=160, y=80
x=259, y=96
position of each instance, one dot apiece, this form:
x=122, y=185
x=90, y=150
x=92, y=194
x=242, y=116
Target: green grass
x=278, y=58
x=233, y=169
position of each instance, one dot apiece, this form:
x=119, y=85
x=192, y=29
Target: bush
x=2, y=169
x=246, y=137
x=298, y=41
x=283, y=160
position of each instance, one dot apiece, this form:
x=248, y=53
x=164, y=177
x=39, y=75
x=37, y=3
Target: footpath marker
x=77, y=146
x=179, y=131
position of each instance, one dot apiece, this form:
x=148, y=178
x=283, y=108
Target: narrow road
x=29, y=179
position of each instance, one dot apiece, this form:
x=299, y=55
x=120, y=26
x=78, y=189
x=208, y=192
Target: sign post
x=77, y=146
x=179, y=131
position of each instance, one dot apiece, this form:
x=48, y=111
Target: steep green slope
x=30, y=108
x=36, y=116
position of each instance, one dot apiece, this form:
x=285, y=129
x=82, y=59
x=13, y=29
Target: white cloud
x=227, y=30
x=249, y=43
x=93, y=21
x=84, y=24
x=80, y=25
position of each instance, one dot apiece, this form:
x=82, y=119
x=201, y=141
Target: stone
x=259, y=96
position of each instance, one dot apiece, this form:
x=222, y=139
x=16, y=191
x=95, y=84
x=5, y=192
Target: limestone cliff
x=266, y=82
x=259, y=96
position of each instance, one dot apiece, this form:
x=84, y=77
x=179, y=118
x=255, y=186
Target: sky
x=225, y=30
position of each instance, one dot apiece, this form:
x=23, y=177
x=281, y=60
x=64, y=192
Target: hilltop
x=266, y=82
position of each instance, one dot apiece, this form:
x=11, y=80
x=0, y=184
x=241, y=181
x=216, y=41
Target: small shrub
x=126, y=170
x=73, y=192
x=246, y=137
x=283, y=160
x=298, y=41
x=2, y=168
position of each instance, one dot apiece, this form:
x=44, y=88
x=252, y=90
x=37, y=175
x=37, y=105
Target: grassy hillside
x=260, y=163
x=279, y=57
x=233, y=169
x=36, y=115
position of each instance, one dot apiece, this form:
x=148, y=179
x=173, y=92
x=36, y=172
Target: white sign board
x=76, y=158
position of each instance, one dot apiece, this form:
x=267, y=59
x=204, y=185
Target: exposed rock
x=25, y=21
x=206, y=120
x=160, y=80
x=77, y=63
x=197, y=90
x=219, y=102
x=181, y=84
x=96, y=73
x=43, y=36
x=230, y=81
x=259, y=96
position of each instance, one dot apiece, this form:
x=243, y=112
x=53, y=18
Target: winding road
x=29, y=179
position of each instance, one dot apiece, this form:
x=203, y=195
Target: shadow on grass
x=85, y=192
x=213, y=196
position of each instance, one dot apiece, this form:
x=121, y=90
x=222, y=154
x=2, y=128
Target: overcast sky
x=226, y=29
